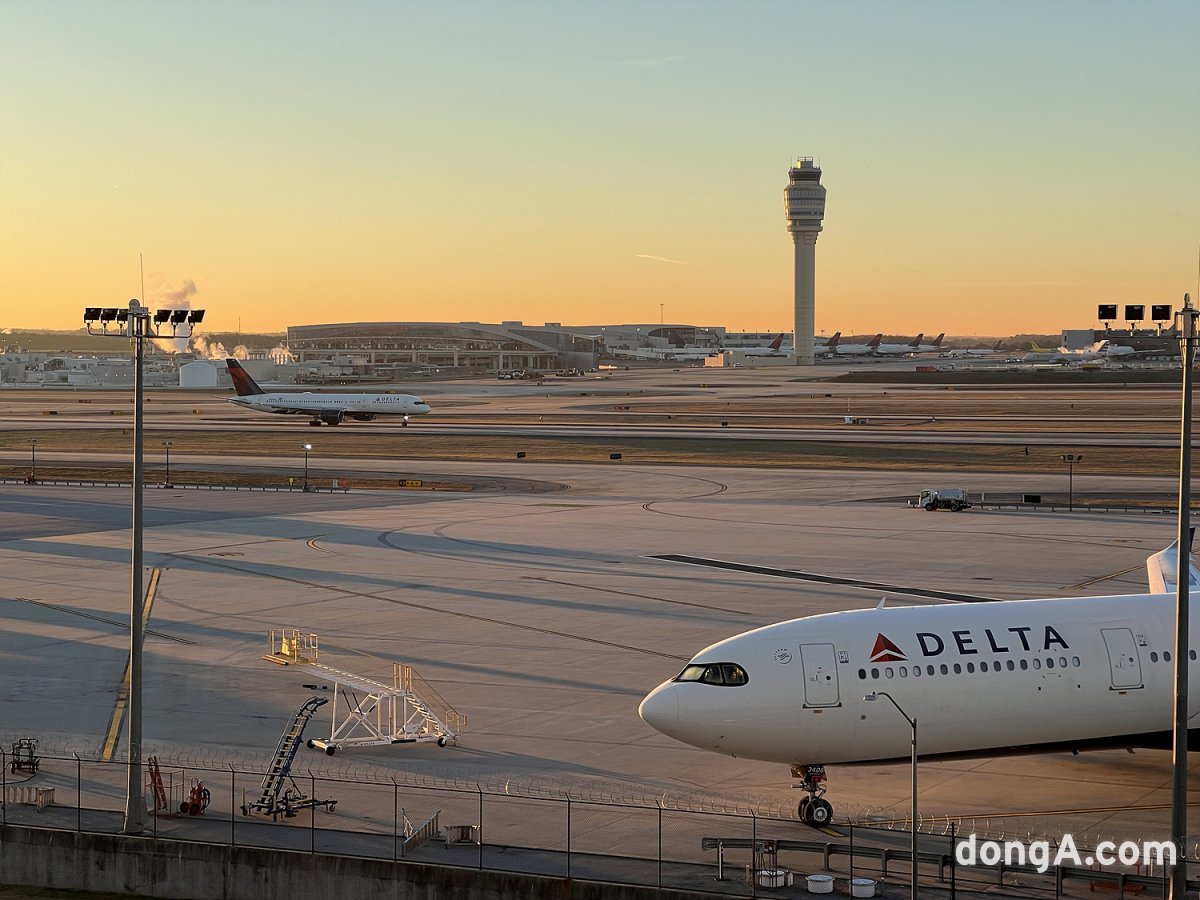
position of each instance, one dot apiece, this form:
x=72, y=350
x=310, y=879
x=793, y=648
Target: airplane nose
x=660, y=708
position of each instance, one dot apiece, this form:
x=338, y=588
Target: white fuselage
x=351, y=405
x=982, y=679
x=895, y=349
x=853, y=350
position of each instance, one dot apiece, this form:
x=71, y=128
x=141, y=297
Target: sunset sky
x=992, y=167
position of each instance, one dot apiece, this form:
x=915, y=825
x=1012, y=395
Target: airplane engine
x=332, y=418
x=364, y=417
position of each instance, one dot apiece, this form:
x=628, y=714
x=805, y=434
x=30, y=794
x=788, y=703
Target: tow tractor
x=24, y=756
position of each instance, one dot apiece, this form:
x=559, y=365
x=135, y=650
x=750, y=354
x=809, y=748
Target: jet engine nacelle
x=332, y=418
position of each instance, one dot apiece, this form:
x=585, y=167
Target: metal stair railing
x=432, y=707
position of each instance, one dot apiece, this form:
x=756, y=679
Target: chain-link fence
x=565, y=836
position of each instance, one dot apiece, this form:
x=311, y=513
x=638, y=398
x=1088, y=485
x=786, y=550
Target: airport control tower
x=804, y=201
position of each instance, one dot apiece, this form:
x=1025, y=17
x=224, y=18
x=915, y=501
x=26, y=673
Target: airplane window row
x=724, y=674
x=970, y=668
x=1166, y=655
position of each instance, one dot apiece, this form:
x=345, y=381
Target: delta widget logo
x=886, y=651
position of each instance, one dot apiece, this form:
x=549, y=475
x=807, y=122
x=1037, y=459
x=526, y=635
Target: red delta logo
x=885, y=651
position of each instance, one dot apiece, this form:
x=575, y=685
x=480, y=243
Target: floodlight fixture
x=108, y=314
x=1160, y=312
x=178, y=316
x=91, y=313
x=161, y=315
x=195, y=316
x=122, y=315
x=1106, y=312
x=1135, y=312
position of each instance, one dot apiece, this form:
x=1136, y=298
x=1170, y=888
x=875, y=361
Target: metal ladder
x=156, y=783
x=281, y=766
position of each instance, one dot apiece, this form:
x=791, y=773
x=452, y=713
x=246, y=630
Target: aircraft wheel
x=820, y=813
x=802, y=810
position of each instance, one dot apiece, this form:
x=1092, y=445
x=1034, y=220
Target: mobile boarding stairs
x=366, y=712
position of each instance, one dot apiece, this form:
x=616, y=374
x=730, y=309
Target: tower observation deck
x=804, y=203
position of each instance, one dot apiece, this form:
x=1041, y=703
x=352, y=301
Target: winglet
x=1162, y=568
x=242, y=382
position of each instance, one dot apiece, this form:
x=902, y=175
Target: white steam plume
x=177, y=298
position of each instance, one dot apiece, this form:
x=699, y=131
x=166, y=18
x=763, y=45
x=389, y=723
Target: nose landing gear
x=814, y=810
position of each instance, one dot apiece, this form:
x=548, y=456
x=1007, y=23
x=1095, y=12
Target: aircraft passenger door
x=1123, y=658
x=820, y=675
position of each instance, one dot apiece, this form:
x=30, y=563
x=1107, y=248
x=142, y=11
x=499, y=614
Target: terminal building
x=385, y=349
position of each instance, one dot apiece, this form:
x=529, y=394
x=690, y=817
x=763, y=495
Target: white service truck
x=955, y=499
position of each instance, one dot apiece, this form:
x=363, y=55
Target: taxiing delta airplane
x=982, y=679
x=329, y=409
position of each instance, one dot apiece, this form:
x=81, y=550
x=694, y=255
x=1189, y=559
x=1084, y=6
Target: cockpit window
x=734, y=674
x=723, y=674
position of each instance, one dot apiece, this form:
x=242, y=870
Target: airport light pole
x=1185, y=320
x=33, y=460
x=138, y=324
x=912, y=721
x=167, y=445
x=305, y=448
x=1070, y=459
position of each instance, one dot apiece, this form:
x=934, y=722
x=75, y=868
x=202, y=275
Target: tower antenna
x=142, y=277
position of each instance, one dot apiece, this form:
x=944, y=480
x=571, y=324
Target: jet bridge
x=368, y=712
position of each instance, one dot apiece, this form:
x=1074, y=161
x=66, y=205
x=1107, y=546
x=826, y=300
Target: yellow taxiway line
x=118, y=714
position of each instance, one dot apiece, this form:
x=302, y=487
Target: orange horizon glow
x=989, y=171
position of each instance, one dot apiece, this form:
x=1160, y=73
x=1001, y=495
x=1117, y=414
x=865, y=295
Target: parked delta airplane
x=329, y=409
x=866, y=349
x=935, y=347
x=1101, y=350
x=822, y=348
x=772, y=349
x=899, y=349
x=983, y=679
x=975, y=351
